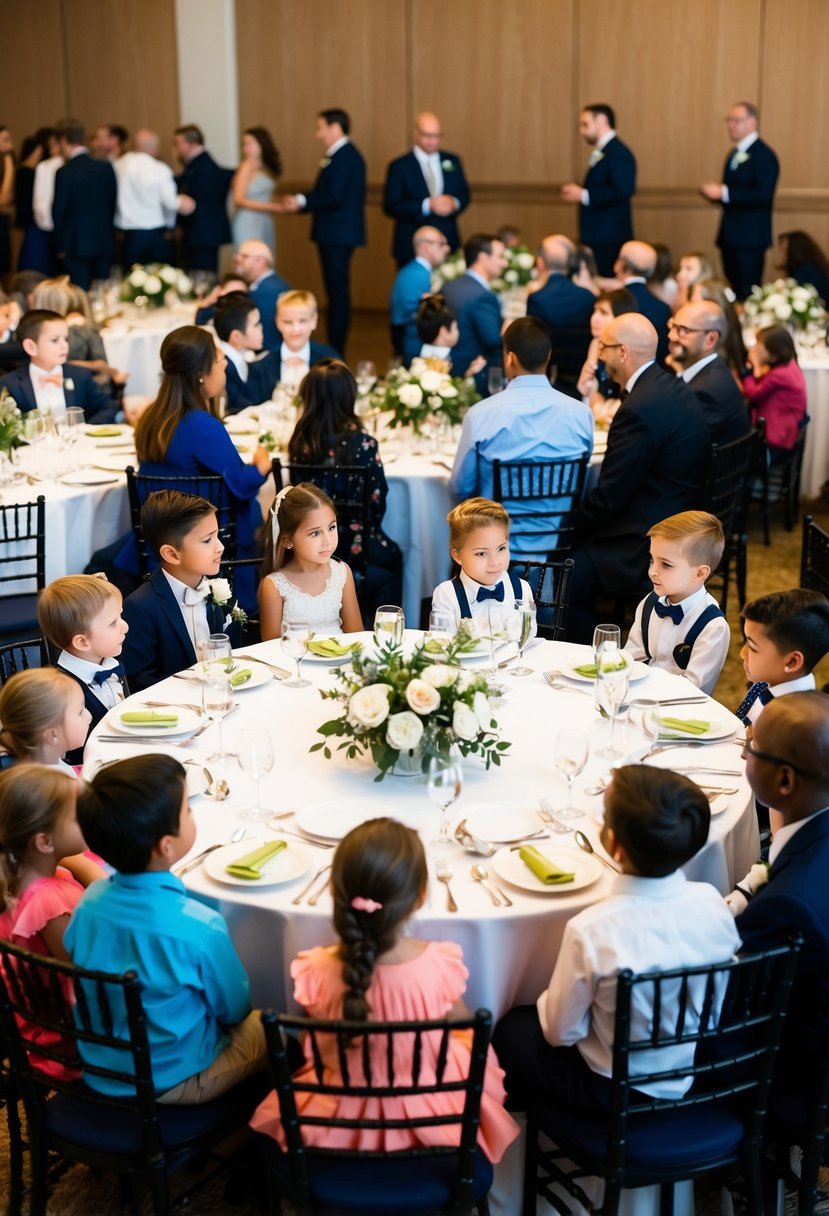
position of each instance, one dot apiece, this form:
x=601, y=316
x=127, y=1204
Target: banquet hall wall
x=507, y=81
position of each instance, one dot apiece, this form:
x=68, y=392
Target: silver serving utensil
x=481, y=875
x=477, y=878
x=545, y=814
x=316, y=896
x=703, y=768
x=299, y=898
x=586, y=847
x=690, y=743
x=443, y=874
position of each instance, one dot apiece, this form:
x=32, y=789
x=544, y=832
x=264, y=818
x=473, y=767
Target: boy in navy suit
x=80, y=615
x=296, y=353
x=182, y=602
x=238, y=327
x=45, y=384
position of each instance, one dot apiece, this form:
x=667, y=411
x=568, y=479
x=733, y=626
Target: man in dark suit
x=565, y=307
x=476, y=306
x=610, y=183
x=254, y=261
x=206, y=184
x=83, y=209
x=787, y=766
x=634, y=266
x=746, y=194
x=337, y=203
x=695, y=334
x=426, y=186
x=654, y=466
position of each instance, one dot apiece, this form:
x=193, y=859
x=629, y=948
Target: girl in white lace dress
x=301, y=579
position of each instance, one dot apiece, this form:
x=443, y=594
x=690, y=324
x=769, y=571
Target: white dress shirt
x=741, y=146
x=237, y=358
x=147, y=194
x=646, y=924
x=110, y=693
x=444, y=599
x=194, y=615
x=290, y=372
x=329, y=152
x=804, y=684
x=43, y=194
x=49, y=398
x=689, y=372
x=710, y=649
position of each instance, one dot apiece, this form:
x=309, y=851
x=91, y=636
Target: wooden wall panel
x=795, y=97
x=33, y=89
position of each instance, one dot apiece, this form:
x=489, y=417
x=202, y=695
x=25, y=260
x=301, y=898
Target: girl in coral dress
x=376, y=973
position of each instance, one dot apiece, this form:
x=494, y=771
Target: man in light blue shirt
x=412, y=282
x=529, y=420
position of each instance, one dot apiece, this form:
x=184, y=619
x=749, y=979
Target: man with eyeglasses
x=787, y=766
x=254, y=262
x=425, y=186
x=695, y=334
x=412, y=282
x=746, y=194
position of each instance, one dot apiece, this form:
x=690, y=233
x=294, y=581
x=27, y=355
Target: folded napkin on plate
x=104, y=432
x=149, y=717
x=251, y=865
x=241, y=677
x=330, y=648
x=544, y=869
x=589, y=669
x=688, y=726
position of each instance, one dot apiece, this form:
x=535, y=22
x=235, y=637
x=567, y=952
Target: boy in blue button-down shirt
x=203, y=1036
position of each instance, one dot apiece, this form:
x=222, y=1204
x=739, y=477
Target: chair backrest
x=206, y=485
x=814, y=557
x=65, y=1008
x=730, y=1014
x=23, y=546
x=379, y=1060
x=348, y=487
x=550, y=584
x=20, y=656
x=726, y=477
x=554, y=486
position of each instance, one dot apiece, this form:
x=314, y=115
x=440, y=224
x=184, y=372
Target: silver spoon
x=598, y=788
x=586, y=847
x=481, y=875
x=221, y=789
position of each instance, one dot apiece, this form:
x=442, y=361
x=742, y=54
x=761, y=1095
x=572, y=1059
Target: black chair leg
x=666, y=1199
x=15, y=1157
x=161, y=1193
x=742, y=568
x=530, y=1169
x=39, y=1186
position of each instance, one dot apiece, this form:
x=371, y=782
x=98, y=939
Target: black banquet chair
x=20, y=656
x=541, y=497
x=724, y=495
x=550, y=584
x=814, y=557
x=22, y=565
x=208, y=485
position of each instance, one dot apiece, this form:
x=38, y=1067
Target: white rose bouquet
x=785, y=302
x=425, y=391
x=150, y=285
x=392, y=704
x=11, y=422
x=520, y=269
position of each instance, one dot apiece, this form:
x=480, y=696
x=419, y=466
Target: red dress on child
x=421, y=989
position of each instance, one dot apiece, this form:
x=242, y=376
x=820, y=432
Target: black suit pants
x=84, y=271
x=335, y=261
x=145, y=245
x=743, y=268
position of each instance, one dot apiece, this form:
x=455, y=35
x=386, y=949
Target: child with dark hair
x=652, y=920
x=238, y=327
x=378, y=882
x=786, y=636
x=48, y=382
x=203, y=1036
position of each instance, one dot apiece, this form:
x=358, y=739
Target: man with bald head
x=695, y=334
x=254, y=262
x=654, y=467
x=425, y=186
x=633, y=267
x=148, y=201
x=565, y=307
x=610, y=183
x=787, y=766
x=412, y=282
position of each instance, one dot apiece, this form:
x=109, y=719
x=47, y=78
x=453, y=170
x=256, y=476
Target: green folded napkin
x=330, y=648
x=586, y=669
x=251, y=865
x=241, y=677
x=688, y=726
x=149, y=717
x=432, y=646
x=589, y=669
x=104, y=432
x=549, y=873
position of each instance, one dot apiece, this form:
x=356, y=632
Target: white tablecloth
x=132, y=342
x=816, y=455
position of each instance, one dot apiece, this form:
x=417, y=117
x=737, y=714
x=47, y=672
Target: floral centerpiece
x=422, y=392
x=785, y=302
x=519, y=271
x=415, y=707
x=452, y=268
x=149, y=285
x=11, y=422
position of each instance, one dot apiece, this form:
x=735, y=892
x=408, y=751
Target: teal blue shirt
x=192, y=981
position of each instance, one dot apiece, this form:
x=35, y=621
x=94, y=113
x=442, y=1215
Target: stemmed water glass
x=444, y=784
x=643, y=724
x=295, y=638
x=572, y=750
x=520, y=624
x=217, y=699
x=441, y=628
x=498, y=632
x=255, y=755
x=495, y=380
x=212, y=648
x=366, y=377
x=613, y=668
x=389, y=623
x=601, y=634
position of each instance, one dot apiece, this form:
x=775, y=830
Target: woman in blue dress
x=253, y=189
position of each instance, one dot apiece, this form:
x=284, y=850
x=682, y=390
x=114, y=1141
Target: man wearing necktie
x=746, y=195
x=610, y=182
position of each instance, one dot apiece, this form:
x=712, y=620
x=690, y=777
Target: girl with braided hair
x=377, y=972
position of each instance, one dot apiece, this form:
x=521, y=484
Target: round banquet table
x=132, y=341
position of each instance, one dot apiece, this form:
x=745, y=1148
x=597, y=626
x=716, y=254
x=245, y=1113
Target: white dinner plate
x=260, y=673
x=197, y=781
x=335, y=818
x=638, y=671
x=511, y=868
x=113, y=463
x=107, y=434
x=501, y=822
x=343, y=638
x=717, y=730
x=284, y=866
x=89, y=477
x=188, y=721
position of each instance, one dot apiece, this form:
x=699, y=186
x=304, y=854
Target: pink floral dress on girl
x=421, y=989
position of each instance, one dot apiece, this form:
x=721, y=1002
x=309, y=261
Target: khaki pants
x=244, y=1055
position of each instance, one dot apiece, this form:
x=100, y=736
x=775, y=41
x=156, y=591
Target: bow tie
x=101, y=677
x=672, y=610
x=758, y=691
x=294, y=361
x=193, y=596
x=57, y=379
x=490, y=593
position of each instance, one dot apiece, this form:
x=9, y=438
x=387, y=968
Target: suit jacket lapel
x=24, y=392
x=172, y=610
x=216, y=617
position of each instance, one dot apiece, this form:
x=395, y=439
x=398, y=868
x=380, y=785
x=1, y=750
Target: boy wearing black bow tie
x=679, y=626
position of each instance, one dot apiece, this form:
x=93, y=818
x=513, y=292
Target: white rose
x=370, y=705
x=511, y=276
x=482, y=711
x=465, y=678
x=464, y=722
x=431, y=381
x=418, y=366
x=774, y=300
x=168, y=273
x=449, y=270
x=783, y=311
x=422, y=697
x=138, y=278
x=440, y=675
x=152, y=285
x=220, y=590
x=410, y=394
x=184, y=285
x=404, y=731
x=525, y=260
x=448, y=390
x=758, y=876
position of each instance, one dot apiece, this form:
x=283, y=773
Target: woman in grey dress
x=253, y=189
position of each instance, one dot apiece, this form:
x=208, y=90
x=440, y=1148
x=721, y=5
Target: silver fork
x=545, y=814
x=443, y=874
x=197, y=709
x=299, y=898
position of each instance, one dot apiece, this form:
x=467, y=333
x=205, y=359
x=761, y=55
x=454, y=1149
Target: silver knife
x=279, y=671
x=195, y=861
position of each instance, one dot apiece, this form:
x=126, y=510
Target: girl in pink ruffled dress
x=375, y=973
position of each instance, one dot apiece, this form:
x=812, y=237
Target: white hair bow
x=277, y=503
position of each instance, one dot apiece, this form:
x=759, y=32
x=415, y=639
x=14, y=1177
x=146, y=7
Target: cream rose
x=448, y=390
x=220, y=590
x=404, y=731
x=184, y=285
x=138, y=278
x=152, y=285
x=410, y=395
x=525, y=260
x=464, y=722
x=370, y=705
x=168, y=273
x=431, y=381
x=422, y=697
x=483, y=711
x=440, y=675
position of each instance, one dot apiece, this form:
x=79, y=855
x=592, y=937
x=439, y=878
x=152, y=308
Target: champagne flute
x=441, y=629
x=295, y=638
x=366, y=377
x=444, y=784
x=603, y=633
x=495, y=380
x=572, y=750
x=212, y=648
x=643, y=724
x=389, y=623
x=217, y=699
x=613, y=668
x=496, y=620
x=255, y=755
x=522, y=623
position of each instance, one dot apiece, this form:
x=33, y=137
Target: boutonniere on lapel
x=758, y=876
x=220, y=593
x=447, y=165
x=742, y=157
x=69, y=384
x=325, y=162
x=595, y=157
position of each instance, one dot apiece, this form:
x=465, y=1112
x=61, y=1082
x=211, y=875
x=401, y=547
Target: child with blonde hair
x=43, y=717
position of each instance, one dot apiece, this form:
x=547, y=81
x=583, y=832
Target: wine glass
x=441, y=628
x=69, y=424
x=613, y=668
x=444, y=784
x=495, y=380
x=366, y=377
x=217, y=699
x=521, y=626
x=643, y=724
x=389, y=623
x=216, y=646
x=254, y=752
x=497, y=622
x=572, y=750
x=603, y=633
x=295, y=638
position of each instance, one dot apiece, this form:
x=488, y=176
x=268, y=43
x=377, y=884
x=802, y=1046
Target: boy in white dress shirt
x=48, y=383
x=679, y=626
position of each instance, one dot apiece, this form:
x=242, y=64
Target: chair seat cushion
x=396, y=1183
x=18, y=614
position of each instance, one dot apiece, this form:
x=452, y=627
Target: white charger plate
x=89, y=477
x=335, y=818
x=260, y=673
x=113, y=463
x=717, y=730
x=501, y=822
x=638, y=671
x=286, y=865
x=188, y=721
x=509, y=866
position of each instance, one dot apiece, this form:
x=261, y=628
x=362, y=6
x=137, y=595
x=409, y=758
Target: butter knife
x=278, y=671
x=196, y=861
